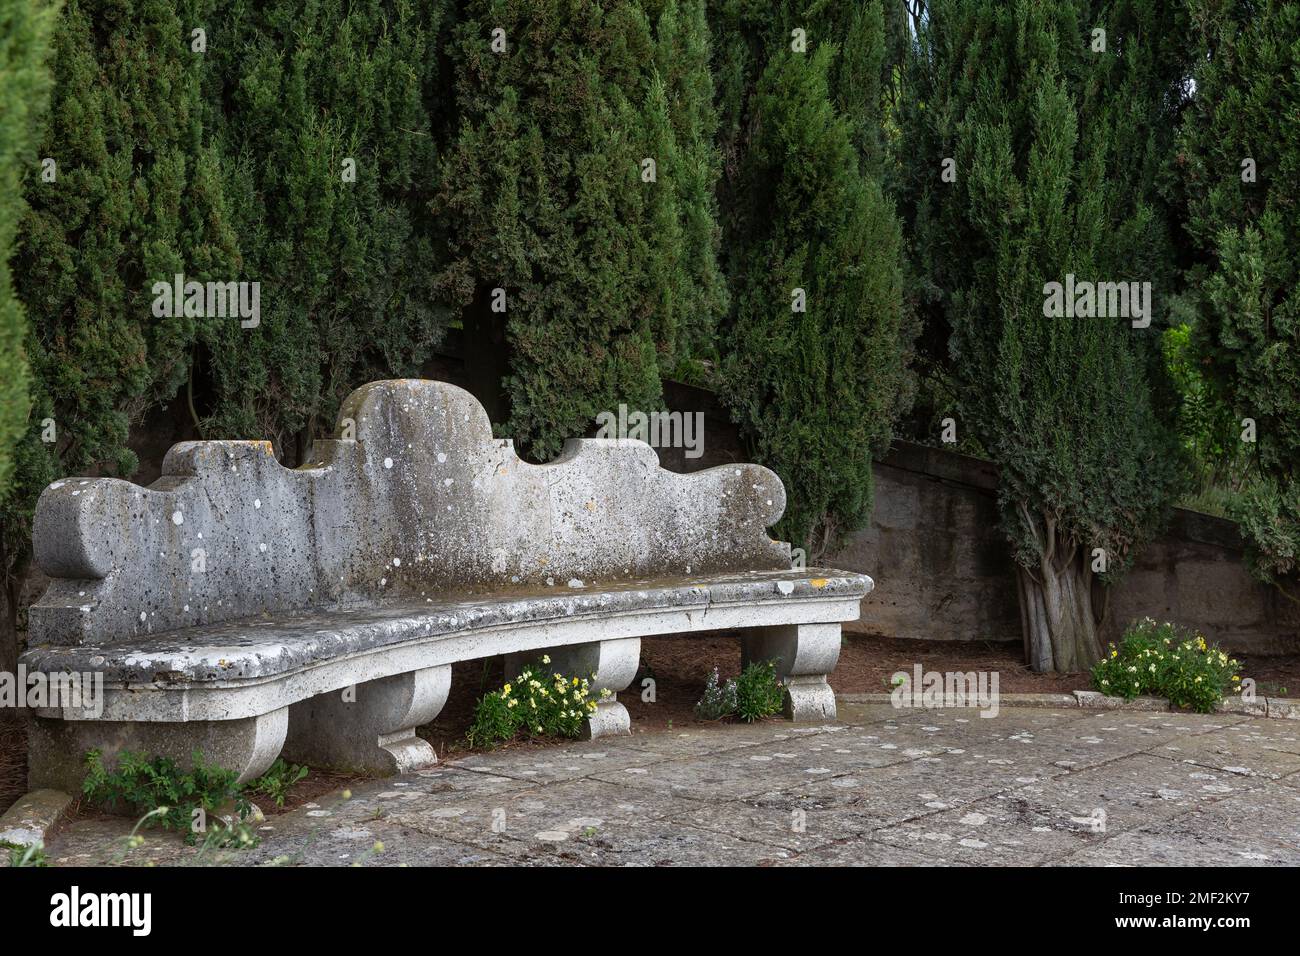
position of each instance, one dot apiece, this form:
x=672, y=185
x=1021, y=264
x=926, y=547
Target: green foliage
x=1061, y=160
x=1209, y=431
x=25, y=28
x=1058, y=162
x=1167, y=661
x=606, y=276
x=135, y=199
x=1246, y=273
x=759, y=694
x=296, y=88
x=755, y=695
x=719, y=698
x=814, y=385
x=277, y=781
x=25, y=856
x=1268, y=513
x=534, y=704
x=159, y=788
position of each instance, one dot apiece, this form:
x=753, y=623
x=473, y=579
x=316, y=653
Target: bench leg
x=57, y=748
x=614, y=664
x=805, y=654
x=370, y=727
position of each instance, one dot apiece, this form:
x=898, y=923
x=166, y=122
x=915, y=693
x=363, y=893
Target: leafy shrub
x=162, y=791
x=534, y=704
x=25, y=856
x=755, y=695
x=759, y=694
x=1167, y=661
x=277, y=781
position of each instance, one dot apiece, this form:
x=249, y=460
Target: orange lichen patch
x=590, y=506
x=818, y=582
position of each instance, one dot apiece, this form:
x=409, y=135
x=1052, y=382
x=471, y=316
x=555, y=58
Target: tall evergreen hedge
x=605, y=265
x=1059, y=152
x=1240, y=159
x=816, y=341
x=25, y=29
x=327, y=114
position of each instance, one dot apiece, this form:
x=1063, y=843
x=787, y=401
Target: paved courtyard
x=881, y=786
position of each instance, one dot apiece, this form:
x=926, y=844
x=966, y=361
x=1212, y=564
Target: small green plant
x=719, y=698
x=21, y=856
x=161, y=791
x=755, y=695
x=759, y=694
x=535, y=704
x=277, y=781
x=1167, y=661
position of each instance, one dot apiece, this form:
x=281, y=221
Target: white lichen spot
x=447, y=482
x=397, y=562
x=257, y=503
x=442, y=457
x=388, y=463
x=261, y=546
x=177, y=518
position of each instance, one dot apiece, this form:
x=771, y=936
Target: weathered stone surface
x=878, y=787
x=1239, y=705
x=233, y=589
x=29, y=821
x=57, y=748
x=1284, y=708
x=414, y=497
x=804, y=654
x=1096, y=700
x=370, y=727
x=945, y=572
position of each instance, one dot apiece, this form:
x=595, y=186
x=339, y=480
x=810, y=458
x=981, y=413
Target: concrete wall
x=942, y=570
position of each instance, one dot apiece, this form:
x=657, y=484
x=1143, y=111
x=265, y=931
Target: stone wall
x=942, y=569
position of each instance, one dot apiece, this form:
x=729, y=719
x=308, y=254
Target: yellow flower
x=506, y=690
x=1114, y=654
x=546, y=659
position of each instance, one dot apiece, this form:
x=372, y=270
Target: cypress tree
x=135, y=198
x=1241, y=159
x=25, y=27
x=817, y=339
x=599, y=265
x=329, y=121
x=1057, y=156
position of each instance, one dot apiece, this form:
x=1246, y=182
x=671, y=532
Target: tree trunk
x=9, y=586
x=1056, y=611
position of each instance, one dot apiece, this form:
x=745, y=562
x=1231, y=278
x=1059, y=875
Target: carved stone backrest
x=413, y=500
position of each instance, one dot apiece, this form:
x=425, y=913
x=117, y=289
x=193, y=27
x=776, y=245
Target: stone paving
x=881, y=786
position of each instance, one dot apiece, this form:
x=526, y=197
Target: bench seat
x=248, y=610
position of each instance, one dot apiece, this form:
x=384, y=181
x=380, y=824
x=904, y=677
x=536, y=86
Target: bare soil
x=679, y=666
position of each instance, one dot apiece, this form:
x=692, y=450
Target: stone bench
x=248, y=610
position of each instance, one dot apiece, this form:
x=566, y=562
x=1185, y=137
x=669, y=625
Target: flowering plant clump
x=1167, y=661
x=755, y=695
x=535, y=704
x=719, y=698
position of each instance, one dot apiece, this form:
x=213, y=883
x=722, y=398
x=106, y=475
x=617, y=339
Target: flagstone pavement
x=880, y=786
